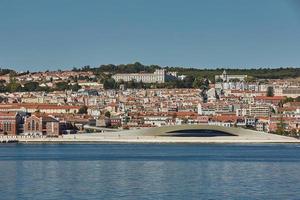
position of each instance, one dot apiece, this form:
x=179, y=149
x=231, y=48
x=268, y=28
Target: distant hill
x=6, y=71
x=260, y=73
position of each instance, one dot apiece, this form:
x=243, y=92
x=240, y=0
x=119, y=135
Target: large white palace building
x=226, y=78
x=159, y=76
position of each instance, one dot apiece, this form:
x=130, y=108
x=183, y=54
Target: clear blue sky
x=52, y=34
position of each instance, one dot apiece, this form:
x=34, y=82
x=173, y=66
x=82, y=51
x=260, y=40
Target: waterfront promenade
x=162, y=135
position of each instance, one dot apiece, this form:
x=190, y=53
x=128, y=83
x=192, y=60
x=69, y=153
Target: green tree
x=62, y=86
x=2, y=99
x=258, y=73
x=109, y=83
x=184, y=120
x=293, y=133
x=13, y=86
x=188, y=81
x=126, y=119
x=286, y=100
x=75, y=87
x=107, y=114
x=281, y=127
x=140, y=85
x=83, y=110
x=197, y=83
x=205, y=84
x=31, y=86
x=2, y=86
x=249, y=79
x=132, y=84
x=270, y=91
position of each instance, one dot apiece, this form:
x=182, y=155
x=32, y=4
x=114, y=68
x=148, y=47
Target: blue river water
x=149, y=171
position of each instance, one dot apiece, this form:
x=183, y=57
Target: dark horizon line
x=148, y=65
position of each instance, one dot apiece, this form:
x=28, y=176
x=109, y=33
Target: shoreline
x=161, y=135
x=156, y=140
x=163, y=143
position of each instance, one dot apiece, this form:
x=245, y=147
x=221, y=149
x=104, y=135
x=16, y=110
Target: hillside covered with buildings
x=131, y=96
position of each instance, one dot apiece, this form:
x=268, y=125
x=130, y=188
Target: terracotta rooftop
x=269, y=98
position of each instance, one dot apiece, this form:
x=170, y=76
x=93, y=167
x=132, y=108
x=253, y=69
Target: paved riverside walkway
x=164, y=135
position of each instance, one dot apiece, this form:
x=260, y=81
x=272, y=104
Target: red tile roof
x=269, y=98
x=10, y=114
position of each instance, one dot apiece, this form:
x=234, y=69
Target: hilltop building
x=224, y=77
x=159, y=76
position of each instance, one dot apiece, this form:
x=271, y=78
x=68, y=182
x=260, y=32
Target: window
x=9, y=126
x=33, y=125
x=5, y=126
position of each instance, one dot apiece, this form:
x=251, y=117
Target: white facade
x=254, y=110
x=158, y=76
x=226, y=78
x=155, y=120
x=293, y=92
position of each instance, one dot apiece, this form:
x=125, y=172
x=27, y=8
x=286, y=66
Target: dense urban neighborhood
x=135, y=96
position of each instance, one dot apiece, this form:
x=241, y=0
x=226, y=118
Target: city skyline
x=149, y=99
x=53, y=35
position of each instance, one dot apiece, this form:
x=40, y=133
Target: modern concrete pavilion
x=174, y=134
x=172, y=130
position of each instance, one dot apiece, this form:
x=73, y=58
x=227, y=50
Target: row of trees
x=122, y=68
x=108, y=83
x=281, y=129
x=14, y=86
x=261, y=73
x=188, y=82
x=4, y=71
